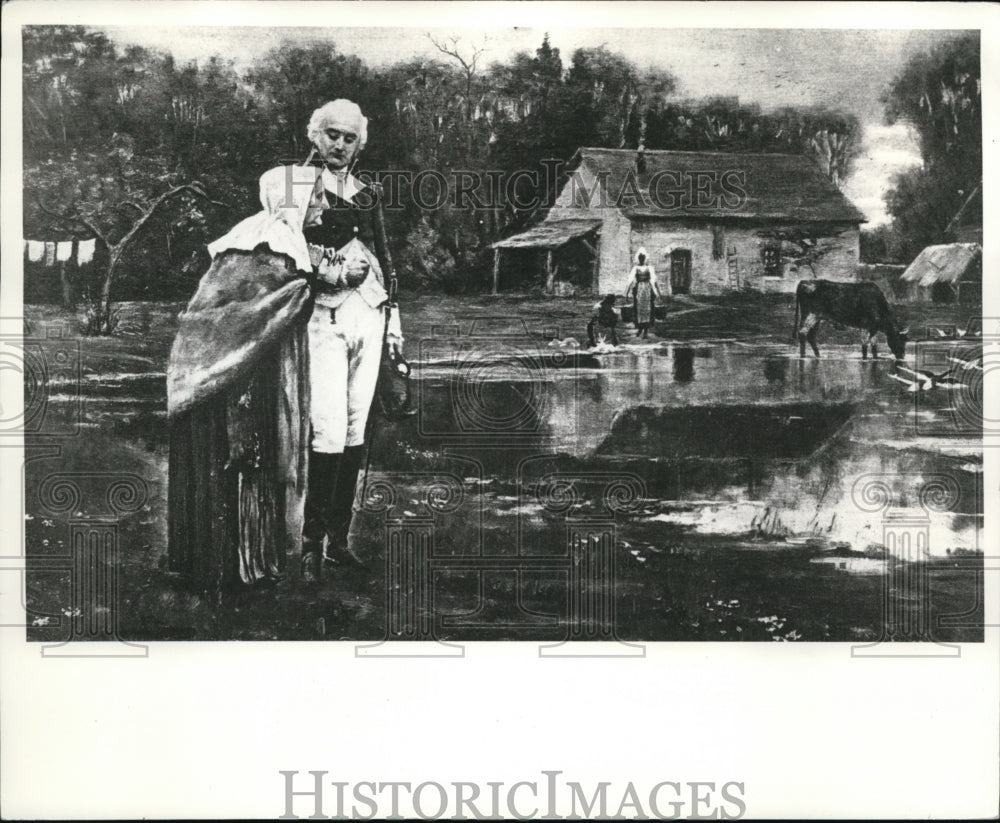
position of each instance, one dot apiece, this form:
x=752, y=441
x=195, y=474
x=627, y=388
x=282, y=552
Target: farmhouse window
x=718, y=242
x=770, y=255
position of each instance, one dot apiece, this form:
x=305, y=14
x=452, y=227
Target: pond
x=702, y=485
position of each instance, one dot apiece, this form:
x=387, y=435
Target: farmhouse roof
x=777, y=186
x=945, y=264
x=549, y=234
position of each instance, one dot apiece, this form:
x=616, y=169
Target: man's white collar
x=345, y=187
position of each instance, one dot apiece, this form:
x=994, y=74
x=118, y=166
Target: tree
x=469, y=64
x=922, y=204
x=939, y=93
x=430, y=110
x=530, y=116
x=102, y=322
x=290, y=82
x=829, y=136
x=882, y=244
x=115, y=196
x=104, y=128
x=832, y=138
x=612, y=97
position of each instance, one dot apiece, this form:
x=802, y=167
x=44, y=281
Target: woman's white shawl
x=285, y=193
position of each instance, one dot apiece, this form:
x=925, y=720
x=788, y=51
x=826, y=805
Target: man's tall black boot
x=341, y=510
x=323, y=471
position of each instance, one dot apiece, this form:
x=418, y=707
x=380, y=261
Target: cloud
x=886, y=151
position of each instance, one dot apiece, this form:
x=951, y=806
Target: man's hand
x=355, y=272
x=394, y=332
x=317, y=254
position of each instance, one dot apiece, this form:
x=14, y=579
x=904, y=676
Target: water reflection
x=683, y=364
x=761, y=436
x=776, y=369
x=644, y=376
x=571, y=407
x=806, y=373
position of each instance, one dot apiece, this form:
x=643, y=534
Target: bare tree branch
x=468, y=65
x=958, y=215
x=193, y=188
x=76, y=218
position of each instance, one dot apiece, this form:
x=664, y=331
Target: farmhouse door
x=680, y=271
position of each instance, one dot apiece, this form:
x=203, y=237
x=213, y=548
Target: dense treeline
x=108, y=131
x=939, y=92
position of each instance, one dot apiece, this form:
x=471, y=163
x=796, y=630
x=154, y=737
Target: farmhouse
x=710, y=222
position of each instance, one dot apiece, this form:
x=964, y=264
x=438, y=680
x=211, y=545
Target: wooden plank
x=595, y=276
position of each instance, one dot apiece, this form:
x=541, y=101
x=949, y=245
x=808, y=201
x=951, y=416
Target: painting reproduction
x=558, y=335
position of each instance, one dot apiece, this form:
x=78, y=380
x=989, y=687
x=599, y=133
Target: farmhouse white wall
x=710, y=276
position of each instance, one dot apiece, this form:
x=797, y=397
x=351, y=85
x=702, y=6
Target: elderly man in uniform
x=351, y=318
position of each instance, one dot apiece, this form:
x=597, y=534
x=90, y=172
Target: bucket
x=628, y=312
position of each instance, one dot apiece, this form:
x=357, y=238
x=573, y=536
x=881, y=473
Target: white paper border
x=202, y=729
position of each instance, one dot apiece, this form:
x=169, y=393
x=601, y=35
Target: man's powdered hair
x=343, y=113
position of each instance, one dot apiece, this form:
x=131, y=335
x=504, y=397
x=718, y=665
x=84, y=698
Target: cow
x=859, y=305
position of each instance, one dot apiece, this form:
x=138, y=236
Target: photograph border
x=206, y=729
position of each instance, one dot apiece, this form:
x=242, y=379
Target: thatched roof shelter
x=942, y=270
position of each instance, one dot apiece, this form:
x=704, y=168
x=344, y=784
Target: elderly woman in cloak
x=238, y=396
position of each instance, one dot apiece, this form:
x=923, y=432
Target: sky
x=844, y=69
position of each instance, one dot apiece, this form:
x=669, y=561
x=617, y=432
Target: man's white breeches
x=344, y=357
